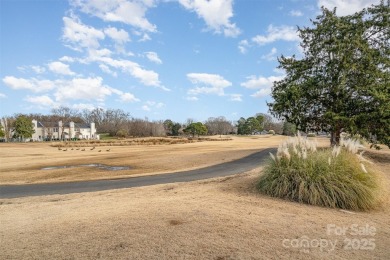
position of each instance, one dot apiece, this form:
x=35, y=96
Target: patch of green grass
x=336, y=178
x=107, y=137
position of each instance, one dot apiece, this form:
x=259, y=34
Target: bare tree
x=7, y=123
x=66, y=115
x=143, y=128
x=219, y=125
x=107, y=121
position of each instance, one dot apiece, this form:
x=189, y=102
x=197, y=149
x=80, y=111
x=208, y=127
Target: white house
x=49, y=130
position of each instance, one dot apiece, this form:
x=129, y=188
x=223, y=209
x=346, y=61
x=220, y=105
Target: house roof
x=47, y=124
x=56, y=124
x=82, y=125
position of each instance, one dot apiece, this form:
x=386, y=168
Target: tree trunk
x=335, y=137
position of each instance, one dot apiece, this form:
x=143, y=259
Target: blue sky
x=158, y=59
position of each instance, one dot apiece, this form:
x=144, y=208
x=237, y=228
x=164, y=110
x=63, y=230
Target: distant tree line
x=119, y=123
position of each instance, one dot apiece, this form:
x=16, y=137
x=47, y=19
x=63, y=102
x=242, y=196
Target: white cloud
x=346, y=7
x=82, y=106
x=67, y=59
x=243, y=46
x=279, y=71
x=149, y=105
x=60, y=68
x=264, y=84
x=254, y=82
x=82, y=88
x=119, y=36
x=33, y=84
x=107, y=70
x=296, y=13
x=128, y=97
x=153, y=57
x=95, y=55
x=207, y=84
x=271, y=55
x=146, y=108
x=145, y=38
x=192, y=98
x=275, y=33
x=130, y=12
x=216, y=14
x=41, y=101
x=2, y=95
x=91, y=88
x=38, y=69
x=262, y=93
x=155, y=104
x=79, y=35
x=236, y=97
x=147, y=77
x=22, y=68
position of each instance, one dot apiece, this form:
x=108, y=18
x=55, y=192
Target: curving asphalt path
x=229, y=168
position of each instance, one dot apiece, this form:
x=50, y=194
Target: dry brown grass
x=222, y=218
x=22, y=162
x=136, y=141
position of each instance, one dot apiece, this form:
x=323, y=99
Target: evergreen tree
x=2, y=133
x=23, y=127
x=342, y=82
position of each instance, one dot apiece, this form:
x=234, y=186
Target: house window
x=55, y=130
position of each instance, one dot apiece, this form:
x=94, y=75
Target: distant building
x=54, y=131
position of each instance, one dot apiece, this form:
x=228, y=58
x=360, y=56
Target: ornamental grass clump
x=336, y=178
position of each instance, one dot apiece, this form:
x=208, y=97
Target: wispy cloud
x=207, y=84
x=192, y=98
x=254, y=82
x=153, y=57
x=150, y=105
x=146, y=77
x=128, y=12
x=63, y=91
x=236, y=97
x=216, y=14
x=296, y=13
x=243, y=46
x=263, y=84
x=271, y=55
x=128, y=97
x=78, y=36
x=34, y=68
x=60, y=68
x=262, y=93
x=119, y=36
x=33, y=84
x=277, y=33
x=346, y=7
x=107, y=70
x=82, y=106
x=41, y=101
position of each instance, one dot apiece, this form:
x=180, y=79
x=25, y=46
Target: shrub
x=121, y=133
x=311, y=135
x=335, y=178
x=271, y=132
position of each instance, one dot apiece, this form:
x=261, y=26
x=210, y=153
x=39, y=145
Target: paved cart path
x=229, y=168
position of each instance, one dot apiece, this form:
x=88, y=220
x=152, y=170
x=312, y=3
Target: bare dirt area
x=23, y=162
x=222, y=218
